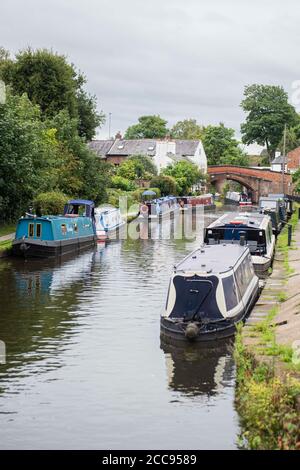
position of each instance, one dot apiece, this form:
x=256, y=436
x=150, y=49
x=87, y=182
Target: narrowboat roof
x=102, y=210
x=245, y=219
x=212, y=259
x=85, y=202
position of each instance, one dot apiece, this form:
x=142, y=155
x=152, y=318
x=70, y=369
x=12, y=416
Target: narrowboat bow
x=211, y=290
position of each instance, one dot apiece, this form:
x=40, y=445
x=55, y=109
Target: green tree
x=292, y=139
x=148, y=127
x=221, y=147
x=93, y=175
x=268, y=110
x=54, y=84
x=89, y=118
x=119, y=182
x=187, y=129
x=137, y=167
x=186, y=175
x=145, y=168
x=166, y=184
x=28, y=152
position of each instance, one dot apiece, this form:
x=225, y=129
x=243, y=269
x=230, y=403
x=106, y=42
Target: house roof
x=278, y=160
x=133, y=147
x=186, y=147
x=122, y=147
x=101, y=147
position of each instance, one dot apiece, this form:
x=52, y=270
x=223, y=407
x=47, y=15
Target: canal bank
x=268, y=366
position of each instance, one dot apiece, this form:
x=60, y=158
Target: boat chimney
x=242, y=238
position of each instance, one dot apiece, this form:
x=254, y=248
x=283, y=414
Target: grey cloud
x=177, y=58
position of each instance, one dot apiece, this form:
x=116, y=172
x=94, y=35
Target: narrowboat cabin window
x=75, y=228
x=63, y=229
x=31, y=230
x=231, y=296
x=38, y=230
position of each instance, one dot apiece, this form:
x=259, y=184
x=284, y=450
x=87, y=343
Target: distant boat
x=254, y=229
x=241, y=199
x=50, y=235
x=211, y=290
x=108, y=221
x=205, y=200
x=158, y=208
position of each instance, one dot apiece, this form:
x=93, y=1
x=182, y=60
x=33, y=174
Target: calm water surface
x=85, y=364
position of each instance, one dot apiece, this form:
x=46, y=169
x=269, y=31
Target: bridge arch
x=260, y=181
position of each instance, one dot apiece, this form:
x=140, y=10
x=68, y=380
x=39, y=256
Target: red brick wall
x=293, y=159
x=115, y=159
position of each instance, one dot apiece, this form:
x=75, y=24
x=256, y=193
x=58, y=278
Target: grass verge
x=267, y=406
x=7, y=229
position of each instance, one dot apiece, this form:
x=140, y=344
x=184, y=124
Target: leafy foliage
x=148, y=127
x=166, y=184
x=51, y=202
x=221, y=147
x=52, y=83
x=119, y=182
x=137, y=167
x=186, y=175
x=268, y=111
x=187, y=129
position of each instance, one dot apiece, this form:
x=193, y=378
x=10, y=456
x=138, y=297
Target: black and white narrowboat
x=253, y=229
x=211, y=290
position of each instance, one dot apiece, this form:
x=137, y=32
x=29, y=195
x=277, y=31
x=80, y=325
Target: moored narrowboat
x=211, y=290
x=158, y=208
x=50, y=236
x=274, y=208
x=108, y=222
x=205, y=200
x=252, y=229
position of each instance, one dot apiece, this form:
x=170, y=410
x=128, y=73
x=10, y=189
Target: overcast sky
x=177, y=58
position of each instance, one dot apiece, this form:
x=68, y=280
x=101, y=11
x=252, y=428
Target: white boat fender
x=191, y=331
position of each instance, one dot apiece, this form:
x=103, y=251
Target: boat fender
x=24, y=247
x=191, y=331
x=144, y=209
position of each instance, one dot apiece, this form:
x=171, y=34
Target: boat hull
x=51, y=249
x=112, y=234
x=175, y=329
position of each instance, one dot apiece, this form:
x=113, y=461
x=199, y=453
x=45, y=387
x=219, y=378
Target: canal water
x=85, y=366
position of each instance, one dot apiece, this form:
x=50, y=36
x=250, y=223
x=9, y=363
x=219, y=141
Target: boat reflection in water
x=195, y=370
x=48, y=295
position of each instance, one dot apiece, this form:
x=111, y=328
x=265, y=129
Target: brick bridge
x=260, y=182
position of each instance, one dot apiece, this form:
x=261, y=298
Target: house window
x=31, y=230
x=38, y=230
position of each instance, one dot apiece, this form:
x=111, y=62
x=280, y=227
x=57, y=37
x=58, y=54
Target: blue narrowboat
x=50, y=236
